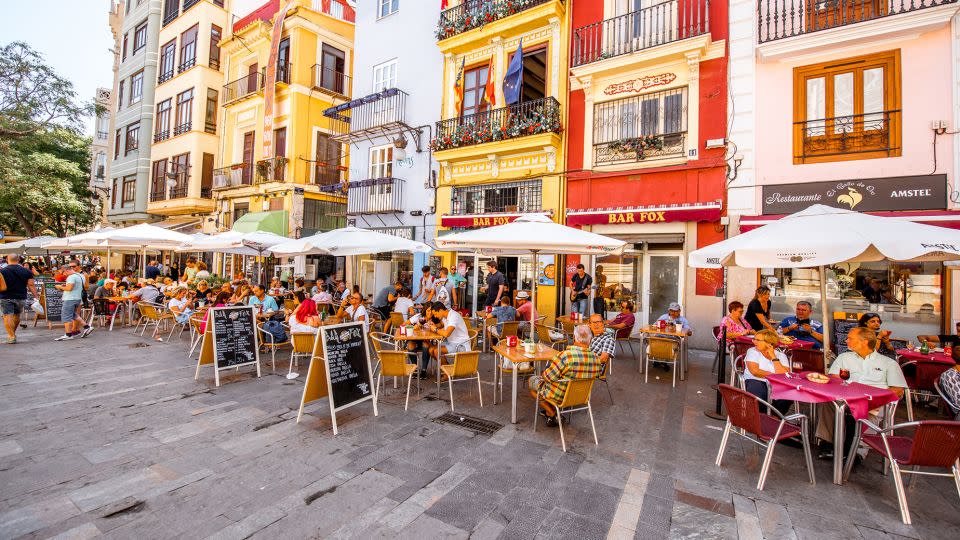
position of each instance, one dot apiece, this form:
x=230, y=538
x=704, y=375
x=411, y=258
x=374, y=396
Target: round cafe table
x=795, y=344
x=860, y=398
x=906, y=355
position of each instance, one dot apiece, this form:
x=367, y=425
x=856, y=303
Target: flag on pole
x=490, y=92
x=444, y=4
x=513, y=80
x=458, y=89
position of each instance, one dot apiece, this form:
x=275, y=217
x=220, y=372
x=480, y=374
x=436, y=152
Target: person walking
x=72, y=289
x=496, y=284
x=15, y=281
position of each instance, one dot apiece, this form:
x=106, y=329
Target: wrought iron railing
x=271, y=170
x=165, y=76
x=522, y=196
x=242, y=87
x=283, y=73
x=518, y=120
x=331, y=81
x=335, y=9
x=187, y=4
x=642, y=148
x=470, y=14
x=187, y=64
x=852, y=134
x=778, y=19
x=157, y=194
x=238, y=174
x=161, y=135
x=328, y=173
x=182, y=128
x=103, y=135
x=666, y=22
x=371, y=112
x=178, y=192
x=375, y=196
x=205, y=193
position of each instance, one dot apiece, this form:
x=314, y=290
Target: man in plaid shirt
x=576, y=362
x=603, y=343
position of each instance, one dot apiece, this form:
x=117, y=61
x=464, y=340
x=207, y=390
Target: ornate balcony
x=187, y=64
x=182, y=128
x=778, y=19
x=649, y=27
x=381, y=114
x=161, y=135
x=375, y=196
x=639, y=149
x=872, y=134
x=332, y=82
x=518, y=120
x=238, y=174
x=271, y=170
x=470, y=14
x=242, y=88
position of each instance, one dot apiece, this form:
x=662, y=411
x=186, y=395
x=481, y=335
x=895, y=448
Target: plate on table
x=787, y=340
x=818, y=378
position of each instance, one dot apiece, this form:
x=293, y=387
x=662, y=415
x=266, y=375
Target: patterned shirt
x=604, y=343
x=950, y=383
x=734, y=327
x=573, y=363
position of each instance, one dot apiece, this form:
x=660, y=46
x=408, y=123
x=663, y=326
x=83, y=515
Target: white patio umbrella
x=236, y=243
x=346, y=242
x=532, y=233
x=29, y=246
x=821, y=235
x=142, y=236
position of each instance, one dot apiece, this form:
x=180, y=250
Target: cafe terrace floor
x=111, y=436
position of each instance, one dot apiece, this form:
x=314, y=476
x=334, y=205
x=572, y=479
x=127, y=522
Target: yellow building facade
x=500, y=160
x=186, y=133
x=290, y=187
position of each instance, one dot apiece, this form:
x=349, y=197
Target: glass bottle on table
x=924, y=347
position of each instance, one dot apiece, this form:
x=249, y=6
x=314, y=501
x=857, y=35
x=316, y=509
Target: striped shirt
x=574, y=363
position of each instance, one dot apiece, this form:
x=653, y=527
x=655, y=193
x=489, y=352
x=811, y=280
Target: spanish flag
x=444, y=4
x=458, y=89
x=490, y=91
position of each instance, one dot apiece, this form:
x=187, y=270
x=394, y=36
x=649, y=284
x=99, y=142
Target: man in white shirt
x=453, y=328
x=355, y=311
x=866, y=366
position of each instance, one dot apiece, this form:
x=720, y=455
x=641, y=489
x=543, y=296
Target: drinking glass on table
x=796, y=366
x=844, y=376
x=909, y=345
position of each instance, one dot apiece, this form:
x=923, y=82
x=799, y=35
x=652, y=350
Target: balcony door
x=327, y=169
x=248, y=142
x=333, y=66
x=662, y=283
x=252, y=71
x=640, y=24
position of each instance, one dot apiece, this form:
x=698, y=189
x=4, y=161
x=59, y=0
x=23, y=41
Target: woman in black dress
x=758, y=310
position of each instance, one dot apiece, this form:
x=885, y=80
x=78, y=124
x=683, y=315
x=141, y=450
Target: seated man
x=452, y=327
x=525, y=311
x=950, y=384
x=265, y=303
x=386, y=297
x=623, y=322
x=603, y=344
x=673, y=316
x=941, y=340
x=801, y=327
x=866, y=366
x=503, y=313
x=576, y=362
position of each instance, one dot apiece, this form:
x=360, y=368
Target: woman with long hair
x=305, y=319
x=758, y=310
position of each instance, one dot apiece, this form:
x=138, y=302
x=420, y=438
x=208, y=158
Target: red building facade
x=646, y=146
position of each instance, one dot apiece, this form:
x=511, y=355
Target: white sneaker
x=64, y=338
x=86, y=331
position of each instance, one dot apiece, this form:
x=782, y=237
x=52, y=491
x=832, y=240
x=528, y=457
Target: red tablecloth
x=797, y=344
x=906, y=355
x=860, y=398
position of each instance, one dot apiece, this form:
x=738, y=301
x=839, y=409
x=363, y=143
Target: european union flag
x=513, y=79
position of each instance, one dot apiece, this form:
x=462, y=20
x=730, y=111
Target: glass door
x=662, y=283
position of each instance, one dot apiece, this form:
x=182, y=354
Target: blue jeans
x=759, y=389
x=580, y=306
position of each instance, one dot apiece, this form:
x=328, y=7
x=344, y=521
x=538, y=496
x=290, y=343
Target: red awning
x=940, y=218
x=645, y=214
x=481, y=220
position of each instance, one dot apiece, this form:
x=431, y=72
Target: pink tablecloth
x=906, y=355
x=860, y=398
x=797, y=344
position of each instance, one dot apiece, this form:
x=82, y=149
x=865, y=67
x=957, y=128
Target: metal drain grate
x=477, y=425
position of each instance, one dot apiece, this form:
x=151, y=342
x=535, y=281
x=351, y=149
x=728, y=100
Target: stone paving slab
x=102, y=437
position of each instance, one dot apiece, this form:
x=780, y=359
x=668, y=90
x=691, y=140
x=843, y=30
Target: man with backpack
x=442, y=288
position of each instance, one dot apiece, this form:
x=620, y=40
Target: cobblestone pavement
x=111, y=436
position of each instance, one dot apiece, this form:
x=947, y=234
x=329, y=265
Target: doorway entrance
x=663, y=274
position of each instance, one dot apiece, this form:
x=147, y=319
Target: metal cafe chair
x=664, y=350
x=394, y=364
x=575, y=398
x=465, y=367
x=745, y=419
x=921, y=379
x=935, y=443
x=953, y=406
x=269, y=342
x=302, y=343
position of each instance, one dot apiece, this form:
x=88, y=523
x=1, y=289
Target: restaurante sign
x=921, y=192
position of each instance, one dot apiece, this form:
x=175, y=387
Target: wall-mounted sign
x=640, y=84
x=402, y=232
x=640, y=215
x=921, y=192
x=477, y=220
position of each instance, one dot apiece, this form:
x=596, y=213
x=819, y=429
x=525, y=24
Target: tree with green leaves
x=44, y=158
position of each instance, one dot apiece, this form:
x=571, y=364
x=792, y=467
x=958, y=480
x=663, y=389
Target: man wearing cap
x=672, y=316
x=104, y=293
x=148, y=293
x=525, y=311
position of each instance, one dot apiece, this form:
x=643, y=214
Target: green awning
x=274, y=222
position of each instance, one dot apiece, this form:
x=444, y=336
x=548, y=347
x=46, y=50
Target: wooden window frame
x=163, y=117
x=892, y=92
x=213, y=56
x=479, y=90
x=210, y=111
x=136, y=97
x=168, y=60
x=189, y=39
x=139, y=33
x=132, y=138
x=129, y=180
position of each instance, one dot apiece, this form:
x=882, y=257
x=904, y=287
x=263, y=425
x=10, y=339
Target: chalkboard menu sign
x=53, y=302
x=340, y=370
x=234, y=336
x=842, y=327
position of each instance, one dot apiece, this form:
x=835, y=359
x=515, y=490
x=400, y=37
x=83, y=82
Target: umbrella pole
x=108, y=262
x=533, y=311
x=823, y=312
x=476, y=279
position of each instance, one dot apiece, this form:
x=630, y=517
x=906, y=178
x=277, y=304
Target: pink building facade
x=853, y=104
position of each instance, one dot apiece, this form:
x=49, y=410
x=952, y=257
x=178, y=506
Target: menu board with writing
x=842, y=327
x=52, y=302
x=234, y=337
x=348, y=364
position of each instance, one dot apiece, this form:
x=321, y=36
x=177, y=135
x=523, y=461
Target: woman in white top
x=305, y=319
x=404, y=304
x=762, y=360
x=355, y=311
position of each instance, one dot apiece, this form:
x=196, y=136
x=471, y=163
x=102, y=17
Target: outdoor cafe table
x=860, y=398
x=124, y=305
x=906, y=355
x=654, y=330
x=517, y=355
x=794, y=345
